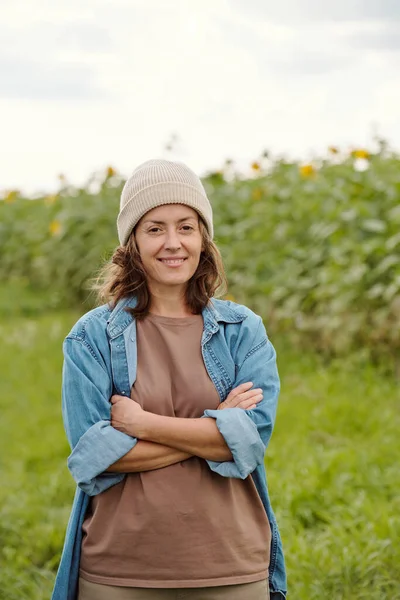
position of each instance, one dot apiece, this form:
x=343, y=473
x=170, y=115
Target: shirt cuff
x=241, y=436
x=98, y=448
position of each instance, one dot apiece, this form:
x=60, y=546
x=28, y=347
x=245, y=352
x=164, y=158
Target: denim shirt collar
x=217, y=311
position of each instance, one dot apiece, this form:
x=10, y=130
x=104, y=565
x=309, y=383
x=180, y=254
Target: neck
x=170, y=303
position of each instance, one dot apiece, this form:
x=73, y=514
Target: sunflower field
x=314, y=248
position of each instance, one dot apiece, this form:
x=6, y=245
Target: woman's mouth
x=172, y=262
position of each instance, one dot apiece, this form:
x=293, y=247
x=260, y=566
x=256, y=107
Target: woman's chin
x=174, y=278
x=174, y=281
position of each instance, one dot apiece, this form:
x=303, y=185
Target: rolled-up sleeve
x=248, y=432
x=96, y=445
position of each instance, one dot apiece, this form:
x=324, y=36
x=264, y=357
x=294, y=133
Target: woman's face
x=169, y=242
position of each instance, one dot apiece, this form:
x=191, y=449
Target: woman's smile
x=172, y=262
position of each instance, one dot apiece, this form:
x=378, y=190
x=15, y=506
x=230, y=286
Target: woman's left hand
x=127, y=415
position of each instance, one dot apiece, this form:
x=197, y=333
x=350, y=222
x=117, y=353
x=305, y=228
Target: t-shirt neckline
x=191, y=319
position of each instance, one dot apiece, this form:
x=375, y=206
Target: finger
x=116, y=398
x=243, y=387
x=250, y=402
x=248, y=407
x=244, y=397
x=250, y=394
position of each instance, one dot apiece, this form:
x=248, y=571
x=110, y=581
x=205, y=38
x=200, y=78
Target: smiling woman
x=169, y=248
x=172, y=495
x=169, y=232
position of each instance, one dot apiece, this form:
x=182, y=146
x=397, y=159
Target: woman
x=169, y=401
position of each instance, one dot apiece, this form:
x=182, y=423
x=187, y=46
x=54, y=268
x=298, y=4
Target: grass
x=333, y=468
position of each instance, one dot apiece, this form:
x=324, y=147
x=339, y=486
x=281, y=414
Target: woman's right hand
x=242, y=397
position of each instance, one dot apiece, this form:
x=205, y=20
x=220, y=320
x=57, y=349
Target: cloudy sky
x=88, y=83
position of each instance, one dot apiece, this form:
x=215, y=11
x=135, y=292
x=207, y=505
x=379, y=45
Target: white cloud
x=116, y=81
x=289, y=11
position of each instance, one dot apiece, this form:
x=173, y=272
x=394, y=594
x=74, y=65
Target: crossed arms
x=232, y=439
x=164, y=441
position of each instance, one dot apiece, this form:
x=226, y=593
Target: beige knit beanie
x=157, y=182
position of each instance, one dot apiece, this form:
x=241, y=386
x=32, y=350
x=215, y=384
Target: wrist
x=144, y=427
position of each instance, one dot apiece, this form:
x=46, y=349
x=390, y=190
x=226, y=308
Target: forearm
x=199, y=437
x=148, y=456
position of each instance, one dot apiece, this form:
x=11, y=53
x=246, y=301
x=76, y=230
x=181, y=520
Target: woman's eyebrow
x=163, y=222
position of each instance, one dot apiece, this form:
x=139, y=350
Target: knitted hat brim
x=158, y=195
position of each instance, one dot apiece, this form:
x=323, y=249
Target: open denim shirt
x=100, y=358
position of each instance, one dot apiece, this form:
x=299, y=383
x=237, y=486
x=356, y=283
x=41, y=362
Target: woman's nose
x=172, y=240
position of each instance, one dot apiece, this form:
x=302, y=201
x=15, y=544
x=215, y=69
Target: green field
x=314, y=248
x=333, y=468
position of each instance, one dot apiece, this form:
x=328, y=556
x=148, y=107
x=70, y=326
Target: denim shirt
x=100, y=358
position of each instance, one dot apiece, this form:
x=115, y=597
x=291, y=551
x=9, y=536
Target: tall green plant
x=314, y=248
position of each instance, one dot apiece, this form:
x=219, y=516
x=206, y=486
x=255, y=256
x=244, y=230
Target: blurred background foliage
x=314, y=248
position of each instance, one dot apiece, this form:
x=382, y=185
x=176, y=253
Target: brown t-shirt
x=182, y=525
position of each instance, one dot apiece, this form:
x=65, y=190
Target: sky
x=89, y=83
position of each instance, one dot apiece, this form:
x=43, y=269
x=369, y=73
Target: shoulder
x=92, y=326
x=243, y=329
x=239, y=314
x=247, y=336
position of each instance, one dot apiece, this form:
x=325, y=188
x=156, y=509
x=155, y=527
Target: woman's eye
x=157, y=229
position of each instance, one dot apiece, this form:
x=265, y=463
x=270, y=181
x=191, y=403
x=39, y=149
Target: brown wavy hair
x=124, y=276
